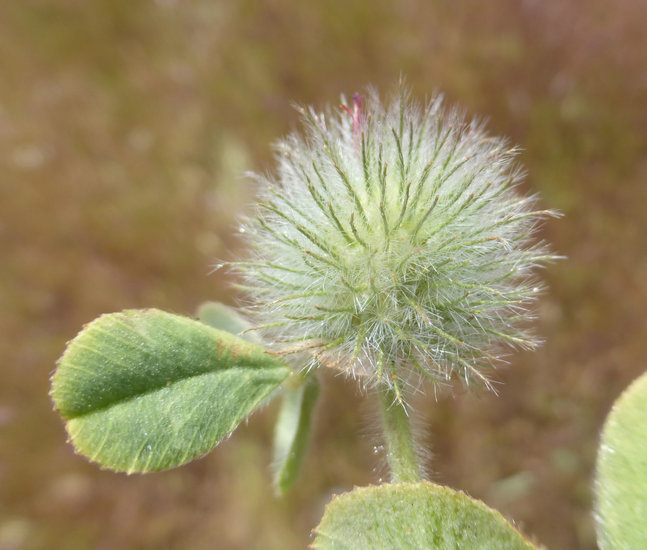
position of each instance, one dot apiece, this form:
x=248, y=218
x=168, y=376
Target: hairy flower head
x=391, y=243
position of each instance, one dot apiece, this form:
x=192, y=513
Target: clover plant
x=391, y=244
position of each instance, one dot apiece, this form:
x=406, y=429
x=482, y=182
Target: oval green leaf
x=413, y=515
x=145, y=390
x=292, y=432
x=621, y=478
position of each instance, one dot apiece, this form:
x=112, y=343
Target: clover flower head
x=392, y=243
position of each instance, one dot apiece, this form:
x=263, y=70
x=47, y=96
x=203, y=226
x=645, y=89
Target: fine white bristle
x=393, y=239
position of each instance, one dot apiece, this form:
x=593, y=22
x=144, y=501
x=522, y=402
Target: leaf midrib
x=242, y=370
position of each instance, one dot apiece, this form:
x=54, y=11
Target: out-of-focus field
x=124, y=130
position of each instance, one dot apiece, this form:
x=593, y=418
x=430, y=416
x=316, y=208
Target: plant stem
x=401, y=448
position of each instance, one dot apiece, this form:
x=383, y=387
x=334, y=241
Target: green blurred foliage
x=124, y=129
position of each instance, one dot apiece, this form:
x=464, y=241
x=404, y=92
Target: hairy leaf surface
x=145, y=390
x=621, y=484
x=413, y=515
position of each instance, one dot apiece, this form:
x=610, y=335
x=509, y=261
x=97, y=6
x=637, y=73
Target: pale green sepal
x=621, y=478
x=145, y=390
x=223, y=317
x=292, y=431
x=413, y=516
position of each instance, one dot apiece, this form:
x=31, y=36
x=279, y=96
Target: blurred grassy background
x=124, y=128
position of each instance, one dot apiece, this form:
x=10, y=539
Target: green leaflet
x=621, y=477
x=292, y=432
x=407, y=516
x=298, y=400
x=145, y=390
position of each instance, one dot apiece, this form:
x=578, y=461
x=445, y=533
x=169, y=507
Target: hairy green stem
x=401, y=448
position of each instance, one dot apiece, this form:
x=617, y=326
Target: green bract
x=225, y=318
x=292, y=432
x=145, y=390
